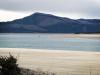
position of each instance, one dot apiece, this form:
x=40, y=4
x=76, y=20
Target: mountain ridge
x=48, y=23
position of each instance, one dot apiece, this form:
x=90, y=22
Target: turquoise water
x=48, y=41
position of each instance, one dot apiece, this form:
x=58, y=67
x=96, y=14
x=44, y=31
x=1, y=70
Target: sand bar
x=58, y=61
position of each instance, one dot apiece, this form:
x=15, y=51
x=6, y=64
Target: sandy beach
x=59, y=62
x=87, y=36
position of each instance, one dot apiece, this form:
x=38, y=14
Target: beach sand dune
x=60, y=62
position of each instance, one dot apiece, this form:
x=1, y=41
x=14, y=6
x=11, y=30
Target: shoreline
x=47, y=50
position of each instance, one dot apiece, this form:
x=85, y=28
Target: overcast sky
x=11, y=9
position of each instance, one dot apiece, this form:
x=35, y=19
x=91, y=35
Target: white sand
x=86, y=36
x=61, y=62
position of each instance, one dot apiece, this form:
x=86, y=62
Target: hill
x=47, y=23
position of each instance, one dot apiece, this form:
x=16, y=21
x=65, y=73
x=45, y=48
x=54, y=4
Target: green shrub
x=9, y=66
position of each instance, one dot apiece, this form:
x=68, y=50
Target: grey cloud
x=84, y=7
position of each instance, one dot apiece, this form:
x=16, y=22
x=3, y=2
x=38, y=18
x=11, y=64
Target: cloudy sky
x=12, y=9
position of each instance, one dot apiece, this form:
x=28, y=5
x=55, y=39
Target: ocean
x=48, y=41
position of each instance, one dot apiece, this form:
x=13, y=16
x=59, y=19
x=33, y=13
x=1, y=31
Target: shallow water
x=48, y=41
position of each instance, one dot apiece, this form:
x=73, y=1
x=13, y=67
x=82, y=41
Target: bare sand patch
x=88, y=36
x=60, y=62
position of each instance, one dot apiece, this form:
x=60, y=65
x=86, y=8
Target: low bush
x=9, y=66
